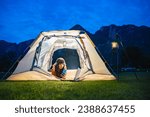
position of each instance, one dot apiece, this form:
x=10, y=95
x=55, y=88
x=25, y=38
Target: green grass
x=125, y=88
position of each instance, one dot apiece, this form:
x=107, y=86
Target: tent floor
x=34, y=75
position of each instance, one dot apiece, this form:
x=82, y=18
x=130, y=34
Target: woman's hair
x=60, y=61
x=57, y=70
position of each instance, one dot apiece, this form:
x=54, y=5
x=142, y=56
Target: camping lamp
x=115, y=47
x=114, y=44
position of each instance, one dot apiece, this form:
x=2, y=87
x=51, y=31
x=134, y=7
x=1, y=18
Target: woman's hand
x=53, y=70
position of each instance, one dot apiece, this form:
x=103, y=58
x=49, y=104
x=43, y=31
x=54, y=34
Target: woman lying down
x=59, y=68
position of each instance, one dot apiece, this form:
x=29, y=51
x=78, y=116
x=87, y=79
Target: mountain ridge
x=135, y=37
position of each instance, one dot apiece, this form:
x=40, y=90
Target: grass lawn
x=125, y=88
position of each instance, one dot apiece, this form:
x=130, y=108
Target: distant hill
x=9, y=52
x=130, y=35
x=6, y=47
x=79, y=27
x=136, y=41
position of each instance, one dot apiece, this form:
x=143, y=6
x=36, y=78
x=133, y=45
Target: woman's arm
x=53, y=70
x=64, y=72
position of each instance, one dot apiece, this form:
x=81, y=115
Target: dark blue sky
x=24, y=19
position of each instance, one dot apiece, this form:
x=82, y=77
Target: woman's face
x=61, y=66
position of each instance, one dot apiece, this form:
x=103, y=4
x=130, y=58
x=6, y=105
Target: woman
x=59, y=68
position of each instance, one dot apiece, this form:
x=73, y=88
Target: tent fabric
x=34, y=75
x=41, y=53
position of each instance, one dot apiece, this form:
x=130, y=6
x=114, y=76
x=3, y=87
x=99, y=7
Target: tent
x=84, y=62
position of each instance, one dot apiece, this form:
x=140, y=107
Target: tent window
x=70, y=55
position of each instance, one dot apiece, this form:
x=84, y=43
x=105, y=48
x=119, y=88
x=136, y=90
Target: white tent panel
x=97, y=63
x=26, y=63
x=62, y=32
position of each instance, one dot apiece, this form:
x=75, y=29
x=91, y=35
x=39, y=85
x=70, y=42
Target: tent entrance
x=70, y=55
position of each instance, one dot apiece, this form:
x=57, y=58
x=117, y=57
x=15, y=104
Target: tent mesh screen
x=70, y=55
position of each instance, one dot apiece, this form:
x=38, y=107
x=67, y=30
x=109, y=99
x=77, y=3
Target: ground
x=127, y=87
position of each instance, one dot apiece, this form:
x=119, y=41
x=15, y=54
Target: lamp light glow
x=114, y=44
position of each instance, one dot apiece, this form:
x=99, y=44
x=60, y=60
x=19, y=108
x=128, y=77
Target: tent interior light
x=64, y=44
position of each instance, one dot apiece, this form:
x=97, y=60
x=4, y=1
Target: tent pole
x=87, y=55
x=120, y=42
x=118, y=63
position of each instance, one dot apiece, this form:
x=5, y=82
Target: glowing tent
x=83, y=60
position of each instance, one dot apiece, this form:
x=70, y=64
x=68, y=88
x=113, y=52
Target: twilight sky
x=24, y=19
